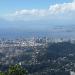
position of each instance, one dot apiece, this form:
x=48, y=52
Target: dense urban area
x=39, y=56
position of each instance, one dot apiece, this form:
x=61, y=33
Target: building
x=72, y=73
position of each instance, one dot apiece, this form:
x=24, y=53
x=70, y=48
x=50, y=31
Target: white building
x=72, y=73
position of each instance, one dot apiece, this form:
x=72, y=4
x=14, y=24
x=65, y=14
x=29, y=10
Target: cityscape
x=37, y=37
x=39, y=55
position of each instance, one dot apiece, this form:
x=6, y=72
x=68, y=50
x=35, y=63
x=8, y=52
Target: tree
x=16, y=70
x=2, y=73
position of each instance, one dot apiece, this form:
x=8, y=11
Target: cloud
x=34, y=12
x=52, y=11
x=62, y=8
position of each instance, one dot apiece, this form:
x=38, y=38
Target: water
x=13, y=35
x=54, y=32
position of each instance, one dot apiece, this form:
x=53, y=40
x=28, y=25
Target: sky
x=36, y=14
x=7, y=6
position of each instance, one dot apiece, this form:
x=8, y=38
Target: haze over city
x=37, y=37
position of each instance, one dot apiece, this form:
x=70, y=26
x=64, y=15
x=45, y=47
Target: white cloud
x=53, y=10
x=33, y=12
x=62, y=8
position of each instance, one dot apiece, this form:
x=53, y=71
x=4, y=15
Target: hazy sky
x=36, y=14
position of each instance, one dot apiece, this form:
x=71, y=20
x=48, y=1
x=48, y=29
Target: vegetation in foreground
x=14, y=70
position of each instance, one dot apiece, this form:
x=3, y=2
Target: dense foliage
x=14, y=70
